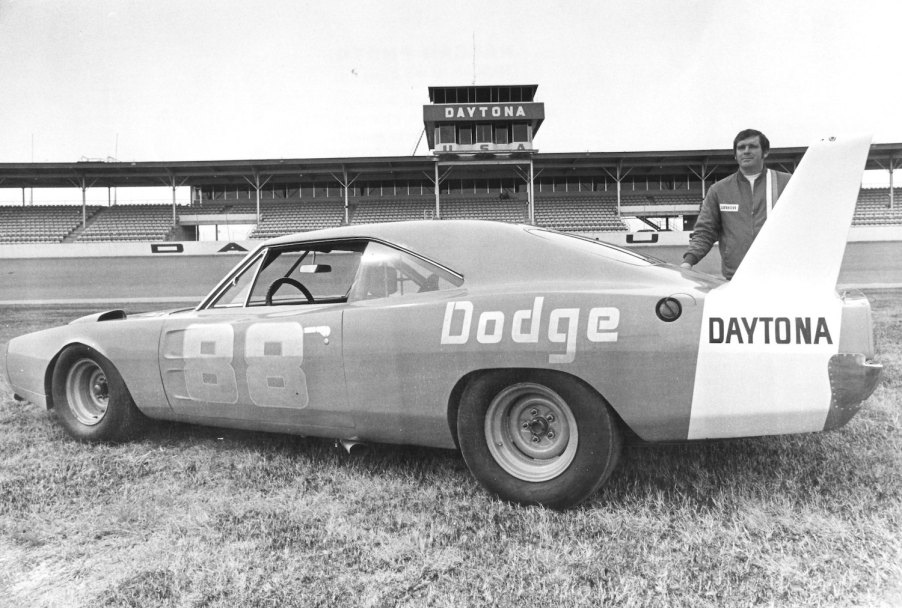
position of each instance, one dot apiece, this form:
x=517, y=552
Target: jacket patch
x=729, y=207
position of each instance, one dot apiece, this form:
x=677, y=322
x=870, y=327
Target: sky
x=166, y=80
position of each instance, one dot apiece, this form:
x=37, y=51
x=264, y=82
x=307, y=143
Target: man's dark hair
x=746, y=133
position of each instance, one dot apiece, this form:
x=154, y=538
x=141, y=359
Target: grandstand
x=129, y=223
x=39, y=223
x=873, y=208
x=483, y=164
x=577, y=212
x=285, y=218
x=392, y=210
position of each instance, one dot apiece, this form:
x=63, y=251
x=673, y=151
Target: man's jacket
x=732, y=214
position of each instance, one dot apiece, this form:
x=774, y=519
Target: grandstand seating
x=393, y=210
x=296, y=216
x=39, y=223
x=508, y=210
x=873, y=208
x=659, y=198
x=596, y=213
x=573, y=212
x=245, y=208
x=130, y=223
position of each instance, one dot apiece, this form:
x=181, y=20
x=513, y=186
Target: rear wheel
x=537, y=437
x=90, y=398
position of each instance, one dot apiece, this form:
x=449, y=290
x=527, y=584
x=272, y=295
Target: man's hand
x=686, y=265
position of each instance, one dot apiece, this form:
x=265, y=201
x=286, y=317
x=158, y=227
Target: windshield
x=594, y=247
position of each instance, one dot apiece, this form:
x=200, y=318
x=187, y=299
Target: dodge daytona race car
x=531, y=351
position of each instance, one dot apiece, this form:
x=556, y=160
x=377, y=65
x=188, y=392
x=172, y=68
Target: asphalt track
x=866, y=265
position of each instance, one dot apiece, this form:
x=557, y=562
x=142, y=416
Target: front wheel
x=90, y=398
x=537, y=437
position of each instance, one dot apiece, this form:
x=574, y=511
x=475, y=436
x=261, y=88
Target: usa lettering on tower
x=769, y=330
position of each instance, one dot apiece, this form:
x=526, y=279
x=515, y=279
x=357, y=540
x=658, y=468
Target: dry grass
x=190, y=516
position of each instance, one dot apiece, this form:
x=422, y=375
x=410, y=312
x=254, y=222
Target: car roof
x=482, y=250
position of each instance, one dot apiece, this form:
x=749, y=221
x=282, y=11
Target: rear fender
x=515, y=374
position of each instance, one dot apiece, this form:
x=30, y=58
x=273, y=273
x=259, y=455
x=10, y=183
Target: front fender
x=130, y=345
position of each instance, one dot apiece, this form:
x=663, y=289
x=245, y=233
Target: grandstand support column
x=702, y=175
x=84, y=204
x=529, y=178
x=530, y=194
x=618, y=176
x=174, y=216
x=894, y=163
x=83, y=184
x=345, y=183
x=344, y=173
x=438, y=208
x=258, y=187
x=172, y=183
x=436, y=183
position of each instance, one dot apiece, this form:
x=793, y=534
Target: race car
x=533, y=352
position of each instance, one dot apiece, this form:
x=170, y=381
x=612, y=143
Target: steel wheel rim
x=531, y=432
x=87, y=392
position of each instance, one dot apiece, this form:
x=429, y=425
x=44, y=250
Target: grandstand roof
x=652, y=164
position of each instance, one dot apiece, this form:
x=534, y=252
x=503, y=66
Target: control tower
x=482, y=119
x=470, y=126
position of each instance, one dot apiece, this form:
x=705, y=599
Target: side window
x=386, y=272
x=286, y=274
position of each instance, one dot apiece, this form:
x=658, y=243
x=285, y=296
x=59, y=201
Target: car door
x=398, y=380
x=265, y=358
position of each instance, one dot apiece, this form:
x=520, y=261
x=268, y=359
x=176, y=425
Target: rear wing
x=769, y=359
x=801, y=246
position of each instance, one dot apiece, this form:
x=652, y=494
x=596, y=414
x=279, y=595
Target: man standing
x=736, y=207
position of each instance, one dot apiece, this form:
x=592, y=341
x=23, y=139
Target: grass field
x=191, y=516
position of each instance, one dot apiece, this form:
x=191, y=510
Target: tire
x=90, y=398
x=537, y=438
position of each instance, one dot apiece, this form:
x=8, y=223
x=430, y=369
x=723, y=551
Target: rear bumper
x=852, y=380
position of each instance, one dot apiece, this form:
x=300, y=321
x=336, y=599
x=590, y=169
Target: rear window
x=594, y=247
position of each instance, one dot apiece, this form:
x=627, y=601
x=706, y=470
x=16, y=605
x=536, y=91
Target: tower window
x=521, y=132
x=445, y=134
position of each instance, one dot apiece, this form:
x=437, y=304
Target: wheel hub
x=531, y=432
x=87, y=391
x=539, y=427
x=100, y=388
